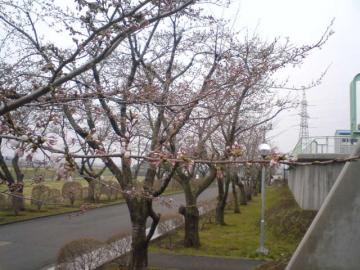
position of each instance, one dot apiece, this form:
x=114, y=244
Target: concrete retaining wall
x=310, y=184
x=333, y=240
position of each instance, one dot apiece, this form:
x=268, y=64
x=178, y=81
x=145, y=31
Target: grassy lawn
x=240, y=237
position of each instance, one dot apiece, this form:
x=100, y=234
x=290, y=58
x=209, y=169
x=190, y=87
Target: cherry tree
x=147, y=92
x=38, y=66
x=251, y=98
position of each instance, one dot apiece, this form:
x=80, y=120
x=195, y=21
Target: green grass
x=240, y=237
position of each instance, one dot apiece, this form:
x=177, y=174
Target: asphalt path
x=34, y=244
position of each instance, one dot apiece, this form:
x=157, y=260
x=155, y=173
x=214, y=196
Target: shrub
x=207, y=212
x=115, y=189
x=94, y=191
x=286, y=219
x=85, y=193
x=106, y=187
x=72, y=191
x=39, y=195
x=4, y=202
x=55, y=196
x=17, y=202
x=85, y=253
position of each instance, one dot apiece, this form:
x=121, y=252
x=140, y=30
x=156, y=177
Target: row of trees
x=135, y=81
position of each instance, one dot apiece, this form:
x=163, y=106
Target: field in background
x=49, y=175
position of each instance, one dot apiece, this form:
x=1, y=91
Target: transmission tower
x=304, y=126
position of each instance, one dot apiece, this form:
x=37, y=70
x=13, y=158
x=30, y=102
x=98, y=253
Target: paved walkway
x=181, y=262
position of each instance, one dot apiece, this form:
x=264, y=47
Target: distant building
x=344, y=142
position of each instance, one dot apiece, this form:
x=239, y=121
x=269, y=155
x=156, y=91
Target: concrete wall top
x=322, y=157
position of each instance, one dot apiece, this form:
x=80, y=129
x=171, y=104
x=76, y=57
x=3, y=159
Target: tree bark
x=191, y=215
x=235, y=196
x=139, y=244
x=254, y=186
x=191, y=211
x=18, y=200
x=243, y=198
x=248, y=190
x=91, y=194
x=223, y=187
x=139, y=247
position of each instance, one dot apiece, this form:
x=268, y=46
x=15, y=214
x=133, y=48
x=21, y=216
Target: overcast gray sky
x=304, y=21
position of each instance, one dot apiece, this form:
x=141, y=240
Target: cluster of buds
x=157, y=157
x=275, y=159
x=16, y=187
x=236, y=150
x=4, y=128
x=181, y=154
x=184, y=155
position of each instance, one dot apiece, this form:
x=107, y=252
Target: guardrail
x=325, y=145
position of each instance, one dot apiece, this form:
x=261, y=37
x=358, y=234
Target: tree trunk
x=248, y=191
x=17, y=202
x=191, y=215
x=140, y=209
x=243, y=198
x=254, y=187
x=235, y=196
x=223, y=187
x=139, y=246
x=91, y=194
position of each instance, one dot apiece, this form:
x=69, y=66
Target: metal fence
x=325, y=145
